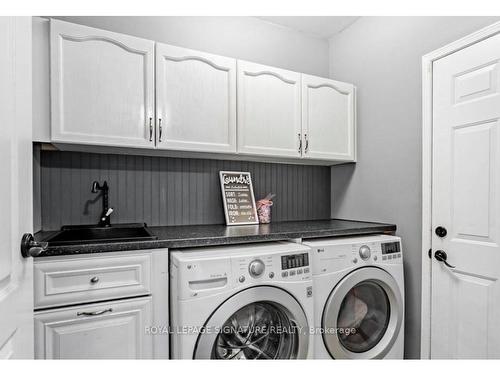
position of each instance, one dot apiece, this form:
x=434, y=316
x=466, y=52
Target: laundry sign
x=238, y=198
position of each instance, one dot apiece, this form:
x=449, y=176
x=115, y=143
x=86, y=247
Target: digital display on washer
x=390, y=248
x=294, y=261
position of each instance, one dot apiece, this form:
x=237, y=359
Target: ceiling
x=318, y=26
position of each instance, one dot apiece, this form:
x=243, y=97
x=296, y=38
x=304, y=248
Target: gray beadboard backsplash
x=170, y=191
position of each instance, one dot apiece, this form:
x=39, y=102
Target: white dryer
x=359, y=297
x=241, y=302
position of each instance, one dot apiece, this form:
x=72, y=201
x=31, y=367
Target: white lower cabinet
x=91, y=278
x=101, y=306
x=111, y=330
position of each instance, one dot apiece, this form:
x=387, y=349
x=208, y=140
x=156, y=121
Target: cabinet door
x=101, y=87
x=328, y=119
x=195, y=100
x=269, y=120
x=114, y=330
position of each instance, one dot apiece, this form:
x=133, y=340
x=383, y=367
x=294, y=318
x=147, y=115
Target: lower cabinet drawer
x=81, y=279
x=115, y=330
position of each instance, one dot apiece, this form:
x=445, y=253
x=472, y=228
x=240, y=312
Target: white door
x=269, y=121
x=102, y=87
x=328, y=119
x=16, y=272
x=195, y=100
x=466, y=202
x=109, y=330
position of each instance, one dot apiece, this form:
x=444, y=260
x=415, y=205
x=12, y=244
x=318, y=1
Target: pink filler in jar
x=264, y=208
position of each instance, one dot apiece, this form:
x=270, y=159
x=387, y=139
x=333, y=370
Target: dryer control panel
x=390, y=247
x=330, y=255
x=374, y=252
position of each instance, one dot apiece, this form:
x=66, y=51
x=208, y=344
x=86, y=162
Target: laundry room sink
x=87, y=234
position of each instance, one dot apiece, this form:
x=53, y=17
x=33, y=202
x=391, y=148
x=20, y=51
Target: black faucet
x=104, y=220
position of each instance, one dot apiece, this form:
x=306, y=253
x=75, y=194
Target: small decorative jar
x=264, y=211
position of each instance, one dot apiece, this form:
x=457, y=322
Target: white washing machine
x=359, y=297
x=241, y=302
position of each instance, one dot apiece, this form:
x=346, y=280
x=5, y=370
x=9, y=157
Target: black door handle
x=30, y=247
x=441, y=256
x=441, y=231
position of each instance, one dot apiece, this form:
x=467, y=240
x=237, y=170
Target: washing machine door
x=363, y=315
x=261, y=322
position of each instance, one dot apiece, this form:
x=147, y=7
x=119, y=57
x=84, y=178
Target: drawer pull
x=94, y=280
x=94, y=313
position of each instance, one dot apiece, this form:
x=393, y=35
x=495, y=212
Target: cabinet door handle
x=307, y=143
x=94, y=313
x=160, y=129
x=150, y=129
x=300, y=143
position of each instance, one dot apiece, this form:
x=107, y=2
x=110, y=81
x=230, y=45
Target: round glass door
x=257, y=323
x=261, y=330
x=364, y=316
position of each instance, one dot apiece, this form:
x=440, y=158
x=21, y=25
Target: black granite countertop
x=177, y=237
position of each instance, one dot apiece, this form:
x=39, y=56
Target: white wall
x=245, y=38
x=382, y=56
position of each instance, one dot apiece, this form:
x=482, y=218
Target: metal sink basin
x=87, y=234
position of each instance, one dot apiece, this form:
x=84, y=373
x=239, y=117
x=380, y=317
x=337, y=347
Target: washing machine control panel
x=294, y=261
x=256, y=268
x=290, y=266
x=294, y=265
x=365, y=252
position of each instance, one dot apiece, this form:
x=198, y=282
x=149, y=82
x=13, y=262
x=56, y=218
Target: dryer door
x=363, y=315
x=261, y=322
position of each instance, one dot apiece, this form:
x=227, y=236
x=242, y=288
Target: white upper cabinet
x=269, y=121
x=328, y=119
x=102, y=87
x=110, y=89
x=195, y=100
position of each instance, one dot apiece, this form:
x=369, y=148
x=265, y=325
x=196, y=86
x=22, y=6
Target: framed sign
x=238, y=198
